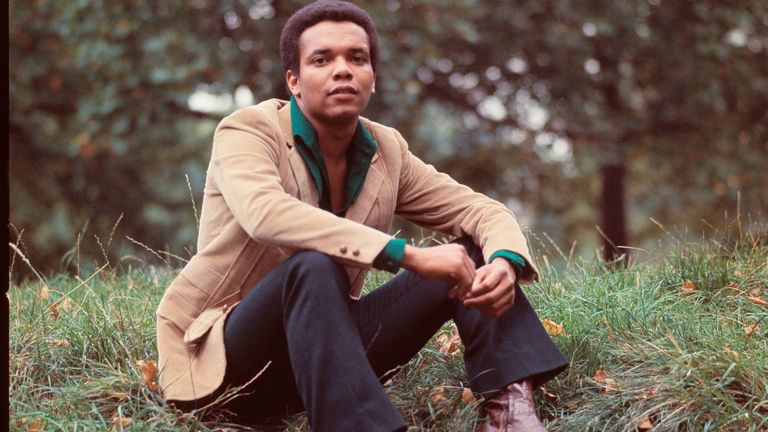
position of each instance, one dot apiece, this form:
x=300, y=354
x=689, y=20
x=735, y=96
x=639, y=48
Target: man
x=298, y=198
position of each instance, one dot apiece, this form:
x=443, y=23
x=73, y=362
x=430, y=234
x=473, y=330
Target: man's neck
x=334, y=141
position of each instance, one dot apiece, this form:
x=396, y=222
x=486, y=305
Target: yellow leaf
x=64, y=304
x=148, y=373
x=449, y=343
x=44, y=293
x=646, y=394
x=120, y=423
x=609, y=384
x=437, y=394
x=645, y=424
x=60, y=342
x=757, y=301
x=751, y=328
x=688, y=287
x=36, y=425
x=467, y=396
x=553, y=328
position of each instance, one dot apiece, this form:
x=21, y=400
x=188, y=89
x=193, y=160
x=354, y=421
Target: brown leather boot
x=512, y=410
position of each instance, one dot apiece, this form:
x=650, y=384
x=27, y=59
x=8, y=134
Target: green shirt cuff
x=517, y=261
x=391, y=256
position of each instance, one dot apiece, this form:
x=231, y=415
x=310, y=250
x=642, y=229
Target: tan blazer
x=260, y=207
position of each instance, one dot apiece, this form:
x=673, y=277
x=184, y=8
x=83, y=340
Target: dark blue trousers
x=329, y=354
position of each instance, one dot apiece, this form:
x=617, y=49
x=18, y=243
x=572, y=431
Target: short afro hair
x=324, y=10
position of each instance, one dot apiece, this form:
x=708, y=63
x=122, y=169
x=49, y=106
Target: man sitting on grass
x=298, y=198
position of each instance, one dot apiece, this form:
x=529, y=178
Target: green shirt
x=359, y=156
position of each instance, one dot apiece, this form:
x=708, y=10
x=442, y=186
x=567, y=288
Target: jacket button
x=355, y=252
x=343, y=249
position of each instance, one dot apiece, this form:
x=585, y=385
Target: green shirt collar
x=359, y=157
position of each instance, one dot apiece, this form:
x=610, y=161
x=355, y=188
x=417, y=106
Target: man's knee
x=317, y=269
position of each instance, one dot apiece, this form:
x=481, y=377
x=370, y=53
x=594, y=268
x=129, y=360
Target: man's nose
x=341, y=69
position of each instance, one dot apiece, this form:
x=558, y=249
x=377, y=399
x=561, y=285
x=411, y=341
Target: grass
x=675, y=341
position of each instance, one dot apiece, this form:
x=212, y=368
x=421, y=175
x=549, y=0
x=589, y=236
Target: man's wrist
x=391, y=257
x=507, y=264
x=514, y=259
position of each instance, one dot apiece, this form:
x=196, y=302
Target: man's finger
x=469, y=264
x=480, y=276
x=491, y=280
x=506, y=301
x=488, y=298
x=463, y=284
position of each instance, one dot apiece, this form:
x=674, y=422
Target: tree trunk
x=613, y=212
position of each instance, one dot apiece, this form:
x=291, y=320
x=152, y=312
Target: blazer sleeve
x=436, y=201
x=244, y=164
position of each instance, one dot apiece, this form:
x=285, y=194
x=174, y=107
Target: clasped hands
x=490, y=288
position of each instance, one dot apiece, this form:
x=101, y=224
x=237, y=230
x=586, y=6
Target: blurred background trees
x=574, y=114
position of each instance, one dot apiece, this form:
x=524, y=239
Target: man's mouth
x=343, y=90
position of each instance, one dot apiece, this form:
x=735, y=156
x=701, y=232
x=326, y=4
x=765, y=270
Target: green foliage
x=522, y=101
x=679, y=360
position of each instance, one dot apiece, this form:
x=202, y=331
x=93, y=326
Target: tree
x=658, y=108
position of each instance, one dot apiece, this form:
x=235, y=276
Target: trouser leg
x=299, y=317
x=392, y=323
x=397, y=319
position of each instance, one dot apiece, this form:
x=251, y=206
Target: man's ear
x=292, y=80
x=373, y=86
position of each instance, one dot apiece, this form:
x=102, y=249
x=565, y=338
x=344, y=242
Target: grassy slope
x=673, y=359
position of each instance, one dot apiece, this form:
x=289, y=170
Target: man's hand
x=448, y=262
x=493, y=290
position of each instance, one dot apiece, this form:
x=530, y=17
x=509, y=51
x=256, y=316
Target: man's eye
x=319, y=61
x=359, y=59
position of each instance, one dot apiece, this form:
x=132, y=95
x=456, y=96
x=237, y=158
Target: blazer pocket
x=202, y=325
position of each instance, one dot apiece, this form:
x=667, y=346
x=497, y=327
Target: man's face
x=336, y=78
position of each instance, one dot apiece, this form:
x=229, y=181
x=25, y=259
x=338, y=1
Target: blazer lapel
x=307, y=189
x=361, y=208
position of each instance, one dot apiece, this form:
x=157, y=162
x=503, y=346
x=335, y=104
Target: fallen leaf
x=645, y=424
x=733, y=354
x=467, y=396
x=609, y=384
x=757, y=301
x=148, y=373
x=44, y=293
x=553, y=328
x=64, y=304
x=688, y=287
x=60, y=342
x=437, y=394
x=120, y=423
x=449, y=343
x=646, y=394
x=548, y=393
x=751, y=328
x=36, y=425
x=55, y=82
